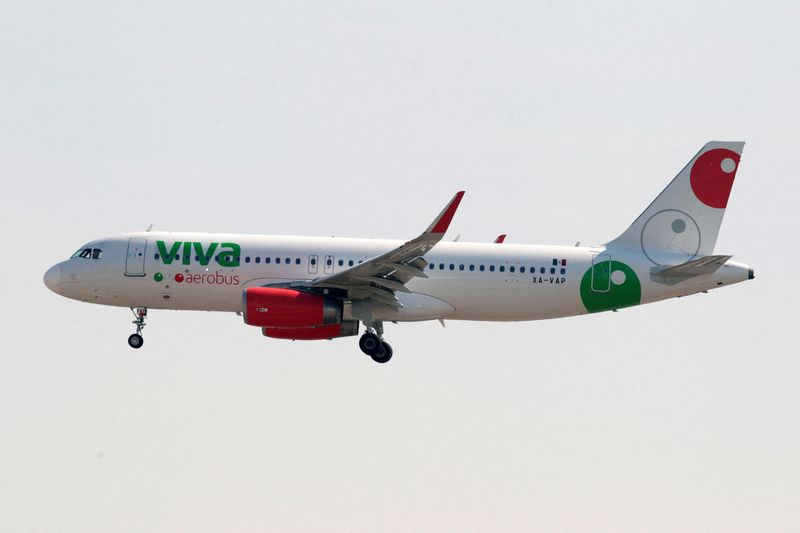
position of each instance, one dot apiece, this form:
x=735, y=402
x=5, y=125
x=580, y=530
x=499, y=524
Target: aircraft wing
x=378, y=278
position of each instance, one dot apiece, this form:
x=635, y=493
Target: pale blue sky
x=561, y=120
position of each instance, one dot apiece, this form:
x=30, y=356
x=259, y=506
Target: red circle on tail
x=712, y=176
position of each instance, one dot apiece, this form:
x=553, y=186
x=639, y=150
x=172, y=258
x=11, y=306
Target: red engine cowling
x=345, y=329
x=269, y=307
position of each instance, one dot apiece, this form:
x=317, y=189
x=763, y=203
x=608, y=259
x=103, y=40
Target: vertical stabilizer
x=685, y=218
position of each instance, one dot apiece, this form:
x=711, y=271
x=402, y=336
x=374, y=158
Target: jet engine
x=297, y=315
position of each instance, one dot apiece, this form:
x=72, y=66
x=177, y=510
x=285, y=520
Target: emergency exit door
x=601, y=273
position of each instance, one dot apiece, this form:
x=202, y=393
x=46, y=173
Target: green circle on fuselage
x=158, y=276
x=610, y=290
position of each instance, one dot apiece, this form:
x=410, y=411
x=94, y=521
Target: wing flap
x=410, y=270
x=384, y=282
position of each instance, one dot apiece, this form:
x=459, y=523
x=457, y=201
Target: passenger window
x=472, y=268
x=157, y=256
x=452, y=266
x=441, y=266
x=297, y=261
x=329, y=261
x=491, y=268
x=461, y=267
x=563, y=271
x=541, y=270
x=350, y=263
x=432, y=266
x=511, y=269
x=313, y=261
x=97, y=253
x=481, y=268
x=277, y=260
x=502, y=268
x=341, y=262
x=288, y=260
x=258, y=260
x=522, y=269
x=552, y=270
x=267, y=260
x=247, y=259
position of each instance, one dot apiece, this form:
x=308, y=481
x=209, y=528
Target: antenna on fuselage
x=150, y=227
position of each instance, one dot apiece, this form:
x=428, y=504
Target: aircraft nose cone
x=52, y=278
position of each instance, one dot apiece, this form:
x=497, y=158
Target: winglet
x=500, y=239
x=442, y=222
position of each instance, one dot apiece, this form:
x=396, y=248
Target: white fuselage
x=466, y=281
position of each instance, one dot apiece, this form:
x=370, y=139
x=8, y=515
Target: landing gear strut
x=372, y=344
x=136, y=340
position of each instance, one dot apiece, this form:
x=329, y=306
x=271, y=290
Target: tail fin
x=685, y=218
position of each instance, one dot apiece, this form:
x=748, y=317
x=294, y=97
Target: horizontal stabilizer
x=704, y=265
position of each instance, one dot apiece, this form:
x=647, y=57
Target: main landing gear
x=372, y=344
x=136, y=340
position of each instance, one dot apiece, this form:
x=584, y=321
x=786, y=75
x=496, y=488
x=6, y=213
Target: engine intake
x=269, y=307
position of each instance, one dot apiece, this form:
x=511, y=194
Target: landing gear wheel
x=369, y=343
x=383, y=353
x=135, y=341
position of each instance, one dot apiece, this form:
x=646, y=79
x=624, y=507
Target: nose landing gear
x=136, y=340
x=372, y=344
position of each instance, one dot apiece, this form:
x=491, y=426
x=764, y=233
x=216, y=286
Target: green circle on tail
x=610, y=285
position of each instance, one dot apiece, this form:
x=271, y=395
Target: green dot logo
x=610, y=285
x=158, y=276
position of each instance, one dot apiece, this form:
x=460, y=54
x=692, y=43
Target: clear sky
x=561, y=120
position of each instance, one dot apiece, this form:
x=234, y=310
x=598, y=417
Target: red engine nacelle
x=345, y=329
x=269, y=307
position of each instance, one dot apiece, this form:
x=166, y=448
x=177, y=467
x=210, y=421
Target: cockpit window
x=89, y=253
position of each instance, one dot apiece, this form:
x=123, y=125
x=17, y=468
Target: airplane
x=314, y=288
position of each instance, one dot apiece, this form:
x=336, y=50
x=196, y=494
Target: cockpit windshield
x=88, y=253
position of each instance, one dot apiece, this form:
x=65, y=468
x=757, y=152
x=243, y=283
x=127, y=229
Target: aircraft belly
x=143, y=292
x=416, y=306
x=512, y=299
